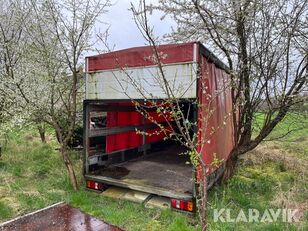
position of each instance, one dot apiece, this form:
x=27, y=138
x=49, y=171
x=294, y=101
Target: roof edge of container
x=201, y=49
x=212, y=58
x=140, y=48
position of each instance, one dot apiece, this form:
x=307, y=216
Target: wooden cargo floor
x=166, y=170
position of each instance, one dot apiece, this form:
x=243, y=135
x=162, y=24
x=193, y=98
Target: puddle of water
x=60, y=217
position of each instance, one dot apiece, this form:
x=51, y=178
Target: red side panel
x=155, y=117
x=154, y=135
x=117, y=141
x=112, y=118
x=157, y=134
x=141, y=56
x=215, y=122
x=126, y=140
x=134, y=139
x=122, y=138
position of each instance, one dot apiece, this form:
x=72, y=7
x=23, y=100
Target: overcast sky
x=123, y=30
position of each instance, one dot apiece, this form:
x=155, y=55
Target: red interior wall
x=131, y=139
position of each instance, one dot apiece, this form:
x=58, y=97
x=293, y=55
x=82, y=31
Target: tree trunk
x=41, y=131
x=230, y=167
x=202, y=198
x=70, y=168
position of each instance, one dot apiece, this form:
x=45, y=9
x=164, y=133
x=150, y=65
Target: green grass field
x=33, y=176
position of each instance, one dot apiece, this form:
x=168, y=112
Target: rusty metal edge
x=30, y=214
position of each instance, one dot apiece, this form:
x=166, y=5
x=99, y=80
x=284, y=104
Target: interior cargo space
x=118, y=156
x=167, y=169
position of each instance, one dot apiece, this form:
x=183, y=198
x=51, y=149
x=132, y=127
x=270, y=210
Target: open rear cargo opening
x=118, y=155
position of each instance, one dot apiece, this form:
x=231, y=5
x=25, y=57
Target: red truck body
x=114, y=145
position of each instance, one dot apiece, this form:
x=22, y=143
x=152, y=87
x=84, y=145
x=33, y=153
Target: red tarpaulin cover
x=215, y=131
